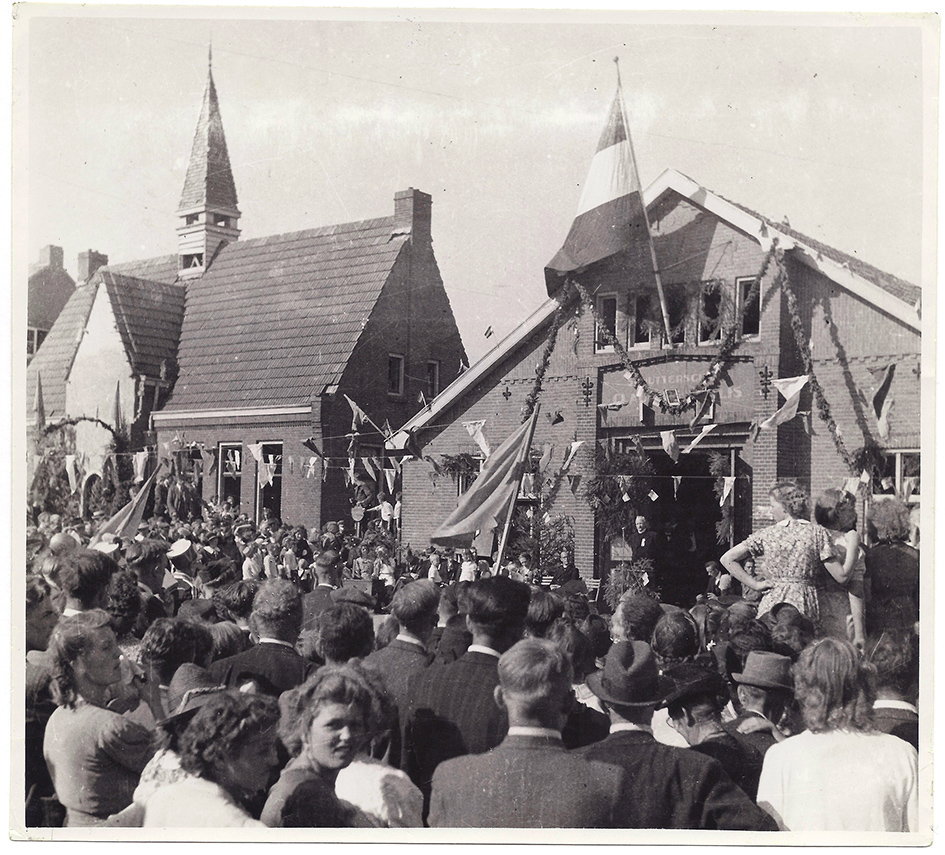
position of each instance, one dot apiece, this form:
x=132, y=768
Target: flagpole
x=656, y=273
x=508, y=518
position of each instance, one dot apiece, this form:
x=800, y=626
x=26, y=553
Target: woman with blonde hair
x=841, y=774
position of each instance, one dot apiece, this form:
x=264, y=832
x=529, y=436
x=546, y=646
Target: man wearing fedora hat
x=765, y=688
x=695, y=712
x=667, y=787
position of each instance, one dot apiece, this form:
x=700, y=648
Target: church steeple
x=208, y=208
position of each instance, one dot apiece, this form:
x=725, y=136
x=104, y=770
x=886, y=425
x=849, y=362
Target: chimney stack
x=412, y=209
x=51, y=256
x=89, y=262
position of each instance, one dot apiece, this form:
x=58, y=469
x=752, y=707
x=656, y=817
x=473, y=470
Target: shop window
x=751, y=320
x=607, y=320
x=395, y=374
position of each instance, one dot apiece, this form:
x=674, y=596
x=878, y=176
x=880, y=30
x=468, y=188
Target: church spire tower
x=208, y=208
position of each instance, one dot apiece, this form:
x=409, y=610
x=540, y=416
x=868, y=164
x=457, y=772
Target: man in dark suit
x=451, y=710
x=450, y=638
x=530, y=780
x=271, y=666
x=327, y=572
x=414, y=607
x=666, y=787
x=695, y=712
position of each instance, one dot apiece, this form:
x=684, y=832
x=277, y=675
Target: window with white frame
x=229, y=472
x=269, y=490
x=607, y=320
x=642, y=320
x=751, y=320
x=395, y=374
x=899, y=475
x=710, y=312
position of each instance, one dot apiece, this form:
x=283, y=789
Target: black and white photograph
x=472, y=426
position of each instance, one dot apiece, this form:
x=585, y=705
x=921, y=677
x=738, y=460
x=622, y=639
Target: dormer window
x=191, y=219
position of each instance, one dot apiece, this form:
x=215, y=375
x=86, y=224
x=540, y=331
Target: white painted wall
x=100, y=364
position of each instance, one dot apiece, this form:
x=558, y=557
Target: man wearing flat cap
x=695, y=712
x=667, y=787
x=765, y=688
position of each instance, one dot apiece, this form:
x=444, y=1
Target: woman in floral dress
x=794, y=551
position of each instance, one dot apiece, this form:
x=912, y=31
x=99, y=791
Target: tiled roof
x=148, y=315
x=54, y=359
x=899, y=288
x=274, y=320
x=161, y=269
x=209, y=178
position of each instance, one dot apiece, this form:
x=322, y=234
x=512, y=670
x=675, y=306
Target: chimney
x=412, y=214
x=51, y=256
x=89, y=262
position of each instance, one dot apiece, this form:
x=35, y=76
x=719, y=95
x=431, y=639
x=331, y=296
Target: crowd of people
x=216, y=673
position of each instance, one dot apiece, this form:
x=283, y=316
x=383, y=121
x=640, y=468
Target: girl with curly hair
x=325, y=724
x=794, y=550
x=841, y=774
x=229, y=751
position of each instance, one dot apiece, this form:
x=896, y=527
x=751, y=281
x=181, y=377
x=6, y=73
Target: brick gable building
x=710, y=252
x=232, y=342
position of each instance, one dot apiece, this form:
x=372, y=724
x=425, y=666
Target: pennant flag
x=266, y=472
x=255, y=448
x=909, y=483
x=118, y=420
x=677, y=480
x=865, y=477
x=491, y=497
x=653, y=495
x=412, y=446
x=369, y=467
x=806, y=422
x=209, y=459
x=463, y=367
x=882, y=401
x=728, y=484
x=488, y=333
x=310, y=467
x=358, y=416
x=706, y=399
x=71, y=473
x=310, y=445
x=324, y=470
x=140, y=465
x=474, y=429
x=641, y=392
x=39, y=408
x=571, y=452
x=390, y=476
x=574, y=482
x=610, y=215
x=790, y=388
x=125, y=523
x=528, y=484
x=670, y=446
x=546, y=455
x=706, y=430
x=851, y=485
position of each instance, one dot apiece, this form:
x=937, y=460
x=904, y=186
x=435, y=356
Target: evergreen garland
x=532, y=398
x=728, y=344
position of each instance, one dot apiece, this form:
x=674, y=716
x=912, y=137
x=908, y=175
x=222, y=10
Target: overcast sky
x=819, y=120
